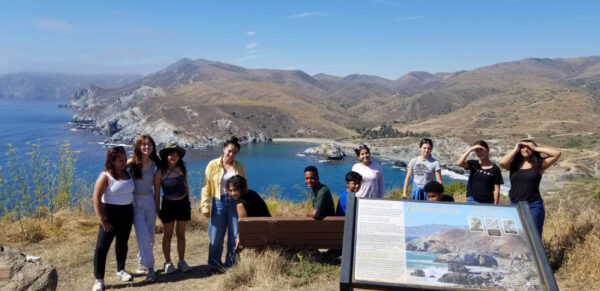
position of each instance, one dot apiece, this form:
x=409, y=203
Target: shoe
x=169, y=268
x=99, y=285
x=141, y=269
x=150, y=277
x=124, y=276
x=183, y=267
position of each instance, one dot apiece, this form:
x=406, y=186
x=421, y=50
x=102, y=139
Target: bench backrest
x=303, y=232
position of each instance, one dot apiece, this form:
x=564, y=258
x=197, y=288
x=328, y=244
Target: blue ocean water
x=266, y=164
x=419, y=260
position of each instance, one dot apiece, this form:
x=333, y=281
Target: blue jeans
x=223, y=218
x=536, y=207
x=470, y=199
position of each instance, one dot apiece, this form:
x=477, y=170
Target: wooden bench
x=294, y=232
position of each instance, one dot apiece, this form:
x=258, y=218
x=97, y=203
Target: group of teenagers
x=128, y=192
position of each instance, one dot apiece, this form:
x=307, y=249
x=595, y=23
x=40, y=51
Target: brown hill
x=536, y=97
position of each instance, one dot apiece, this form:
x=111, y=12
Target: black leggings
x=121, y=219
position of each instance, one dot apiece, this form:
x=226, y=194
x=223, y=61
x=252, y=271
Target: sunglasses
x=118, y=149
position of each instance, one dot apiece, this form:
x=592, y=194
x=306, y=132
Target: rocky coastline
x=126, y=131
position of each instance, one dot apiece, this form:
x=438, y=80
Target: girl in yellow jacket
x=221, y=208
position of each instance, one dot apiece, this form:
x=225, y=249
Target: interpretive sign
x=396, y=244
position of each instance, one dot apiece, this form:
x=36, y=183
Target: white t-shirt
x=226, y=176
x=372, y=180
x=423, y=170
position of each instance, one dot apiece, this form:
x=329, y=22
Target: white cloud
x=52, y=24
x=406, y=18
x=251, y=33
x=308, y=14
x=252, y=45
x=251, y=52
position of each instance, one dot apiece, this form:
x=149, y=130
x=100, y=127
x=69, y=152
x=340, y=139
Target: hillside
x=199, y=102
x=56, y=85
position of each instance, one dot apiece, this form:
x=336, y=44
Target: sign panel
x=443, y=246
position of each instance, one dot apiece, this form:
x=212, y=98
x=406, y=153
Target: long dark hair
x=164, y=163
x=233, y=140
x=136, y=166
x=111, y=156
x=536, y=160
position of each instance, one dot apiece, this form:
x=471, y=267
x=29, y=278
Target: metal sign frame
x=347, y=281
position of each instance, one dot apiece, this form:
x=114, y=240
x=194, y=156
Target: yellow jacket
x=211, y=187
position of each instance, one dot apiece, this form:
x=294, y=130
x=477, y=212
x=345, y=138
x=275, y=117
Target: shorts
x=172, y=210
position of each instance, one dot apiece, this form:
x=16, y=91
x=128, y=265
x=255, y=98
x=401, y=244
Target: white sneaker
x=124, y=276
x=99, y=285
x=183, y=267
x=141, y=269
x=151, y=276
x=169, y=268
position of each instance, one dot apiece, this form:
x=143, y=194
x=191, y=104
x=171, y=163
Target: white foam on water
x=454, y=175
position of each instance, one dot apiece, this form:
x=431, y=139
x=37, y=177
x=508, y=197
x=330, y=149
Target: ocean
x=267, y=165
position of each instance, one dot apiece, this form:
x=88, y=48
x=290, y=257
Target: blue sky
x=378, y=37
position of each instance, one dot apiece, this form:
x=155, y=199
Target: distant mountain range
x=56, y=85
x=200, y=102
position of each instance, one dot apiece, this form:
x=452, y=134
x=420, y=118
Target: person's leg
x=232, y=232
x=122, y=232
x=141, y=230
x=102, y=246
x=538, y=213
x=166, y=242
x=216, y=232
x=180, y=232
x=150, y=221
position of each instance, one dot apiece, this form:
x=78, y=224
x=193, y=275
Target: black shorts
x=172, y=210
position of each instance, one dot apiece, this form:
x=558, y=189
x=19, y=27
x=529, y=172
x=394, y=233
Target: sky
x=388, y=38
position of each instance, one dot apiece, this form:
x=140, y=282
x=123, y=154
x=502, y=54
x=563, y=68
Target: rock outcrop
x=326, y=151
x=30, y=275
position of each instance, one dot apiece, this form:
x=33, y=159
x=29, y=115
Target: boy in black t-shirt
x=435, y=192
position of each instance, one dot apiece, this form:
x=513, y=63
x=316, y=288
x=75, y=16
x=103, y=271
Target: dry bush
x=258, y=270
x=278, y=207
x=571, y=237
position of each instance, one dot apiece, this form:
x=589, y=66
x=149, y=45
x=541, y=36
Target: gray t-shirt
x=423, y=170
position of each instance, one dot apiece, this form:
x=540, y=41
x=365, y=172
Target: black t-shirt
x=254, y=204
x=447, y=198
x=525, y=185
x=481, y=181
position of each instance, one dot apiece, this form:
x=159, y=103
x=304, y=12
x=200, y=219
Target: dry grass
x=572, y=235
x=571, y=238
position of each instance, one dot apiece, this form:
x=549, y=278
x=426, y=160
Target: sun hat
x=164, y=152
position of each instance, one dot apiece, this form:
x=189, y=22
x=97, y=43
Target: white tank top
x=118, y=192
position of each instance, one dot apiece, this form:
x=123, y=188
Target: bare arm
x=241, y=210
x=99, y=189
x=406, y=182
x=462, y=161
x=508, y=158
x=129, y=162
x=552, y=155
x=314, y=214
x=438, y=176
x=496, y=194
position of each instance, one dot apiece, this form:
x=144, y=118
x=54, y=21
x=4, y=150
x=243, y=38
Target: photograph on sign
x=443, y=245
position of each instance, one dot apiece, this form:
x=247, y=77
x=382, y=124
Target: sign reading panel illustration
x=444, y=245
